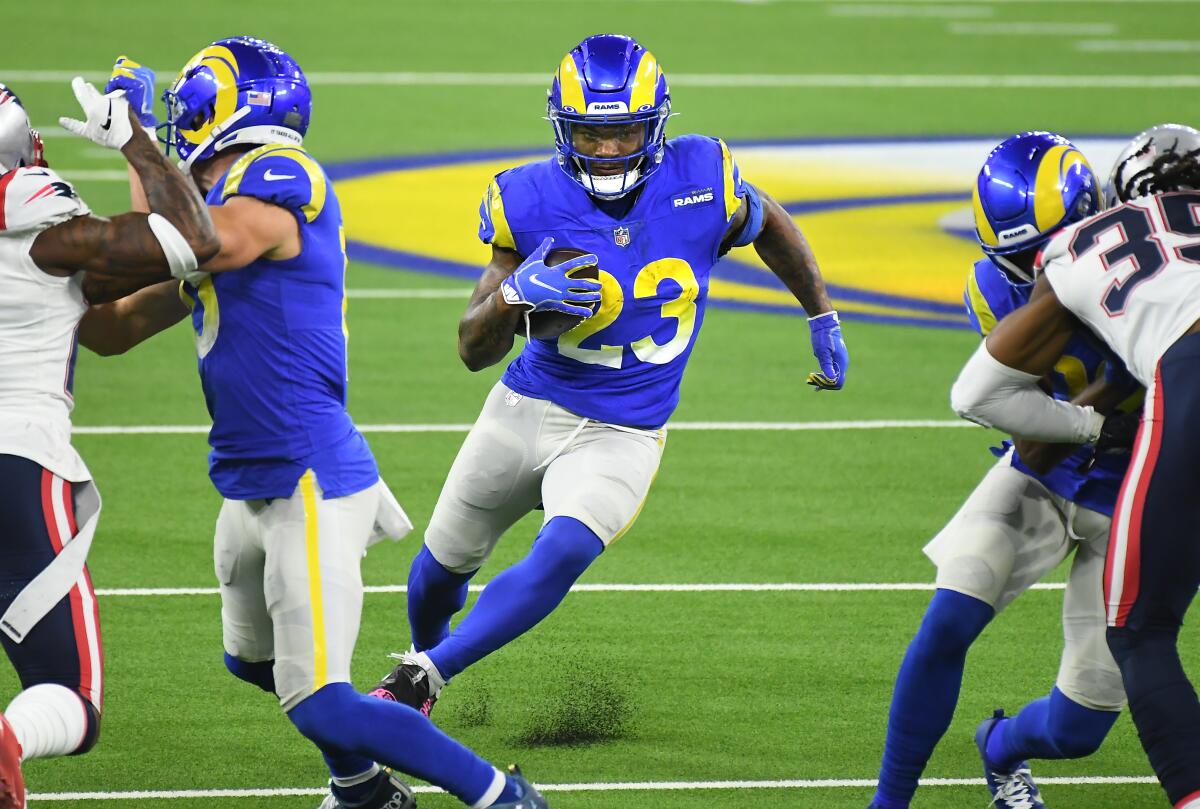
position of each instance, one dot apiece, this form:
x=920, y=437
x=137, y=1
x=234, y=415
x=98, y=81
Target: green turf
x=620, y=686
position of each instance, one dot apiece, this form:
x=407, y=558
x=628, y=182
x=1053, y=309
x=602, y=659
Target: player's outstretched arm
x=174, y=237
x=250, y=229
x=114, y=328
x=487, y=329
x=1105, y=395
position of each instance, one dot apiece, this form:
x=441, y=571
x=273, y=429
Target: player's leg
x=1073, y=720
x=592, y=492
x=1005, y=537
x=314, y=549
x=491, y=485
x=246, y=627
x=59, y=662
x=1153, y=571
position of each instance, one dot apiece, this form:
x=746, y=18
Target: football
x=549, y=325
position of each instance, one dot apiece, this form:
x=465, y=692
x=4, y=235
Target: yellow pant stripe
x=312, y=545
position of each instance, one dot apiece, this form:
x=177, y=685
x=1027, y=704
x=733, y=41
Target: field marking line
x=687, y=426
x=620, y=786
x=1138, y=45
x=424, y=294
x=1087, y=29
x=736, y=80
x=715, y=587
x=908, y=11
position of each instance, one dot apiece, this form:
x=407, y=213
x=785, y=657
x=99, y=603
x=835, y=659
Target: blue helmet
x=235, y=91
x=609, y=80
x=1031, y=186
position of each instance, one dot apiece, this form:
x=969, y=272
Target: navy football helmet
x=1031, y=186
x=1144, y=166
x=609, y=80
x=238, y=90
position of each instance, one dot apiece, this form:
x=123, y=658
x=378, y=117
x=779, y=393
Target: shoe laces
x=1015, y=791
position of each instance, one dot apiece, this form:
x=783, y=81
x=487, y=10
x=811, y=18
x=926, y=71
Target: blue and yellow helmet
x=1031, y=186
x=237, y=90
x=609, y=80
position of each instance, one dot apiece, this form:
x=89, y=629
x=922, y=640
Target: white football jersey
x=39, y=318
x=1132, y=275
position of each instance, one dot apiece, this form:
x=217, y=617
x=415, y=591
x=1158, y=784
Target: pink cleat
x=12, y=783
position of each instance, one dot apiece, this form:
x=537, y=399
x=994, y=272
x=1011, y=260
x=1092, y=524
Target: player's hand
x=830, y=350
x=1118, y=433
x=138, y=84
x=107, y=116
x=541, y=288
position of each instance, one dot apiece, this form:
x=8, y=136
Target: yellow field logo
x=889, y=221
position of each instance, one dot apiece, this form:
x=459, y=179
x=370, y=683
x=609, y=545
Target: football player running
x=1037, y=506
x=51, y=250
x=1129, y=275
x=303, y=499
x=576, y=424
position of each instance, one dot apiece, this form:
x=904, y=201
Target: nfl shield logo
x=621, y=236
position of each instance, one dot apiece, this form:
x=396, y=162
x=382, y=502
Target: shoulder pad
x=493, y=224
x=282, y=175
x=35, y=198
x=989, y=296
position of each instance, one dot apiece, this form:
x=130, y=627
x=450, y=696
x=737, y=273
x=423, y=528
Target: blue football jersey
x=624, y=364
x=989, y=297
x=271, y=339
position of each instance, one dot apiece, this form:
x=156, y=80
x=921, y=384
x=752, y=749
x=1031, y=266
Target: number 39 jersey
x=624, y=364
x=1132, y=275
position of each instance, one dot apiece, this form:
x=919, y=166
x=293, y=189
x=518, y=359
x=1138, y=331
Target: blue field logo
x=889, y=220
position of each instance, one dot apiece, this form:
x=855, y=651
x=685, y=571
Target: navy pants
x=37, y=515
x=1153, y=571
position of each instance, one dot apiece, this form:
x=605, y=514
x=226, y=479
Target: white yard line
x=738, y=80
x=620, y=786
x=439, y=292
x=1138, y=45
x=1025, y=29
x=705, y=426
x=717, y=587
x=905, y=10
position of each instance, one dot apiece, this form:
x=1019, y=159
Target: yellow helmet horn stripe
x=1048, y=208
x=987, y=234
x=221, y=61
x=570, y=85
x=645, y=80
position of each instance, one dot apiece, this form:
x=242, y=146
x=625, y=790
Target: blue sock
x=926, y=692
x=1053, y=727
x=261, y=674
x=344, y=723
x=521, y=596
x=434, y=594
x=512, y=793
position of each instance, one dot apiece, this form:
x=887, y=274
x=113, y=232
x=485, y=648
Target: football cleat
x=1010, y=790
x=12, y=783
x=530, y=797
x=415, y=683
x=390, y=793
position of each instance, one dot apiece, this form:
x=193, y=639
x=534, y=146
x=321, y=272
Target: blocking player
x=302, y=494
x=576, y=423
x=1037, y=506
x=49, y=239
x=1129, y=275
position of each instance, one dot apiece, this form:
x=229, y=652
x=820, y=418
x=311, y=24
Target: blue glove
x=138, y=84
x=543, y=288
x=830, y=351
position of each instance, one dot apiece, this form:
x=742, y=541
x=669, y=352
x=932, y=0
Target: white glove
x=107, y=116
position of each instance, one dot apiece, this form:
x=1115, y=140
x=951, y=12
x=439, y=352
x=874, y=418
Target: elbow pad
x=990, y=393
x=755, y=220
x=180, y=257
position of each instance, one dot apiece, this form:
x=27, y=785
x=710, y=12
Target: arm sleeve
x=990, y=393
x=493, y=225
x=281, y=175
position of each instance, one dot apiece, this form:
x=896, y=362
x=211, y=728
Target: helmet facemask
x=580, y=142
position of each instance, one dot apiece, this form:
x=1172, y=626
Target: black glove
x=1116, y=437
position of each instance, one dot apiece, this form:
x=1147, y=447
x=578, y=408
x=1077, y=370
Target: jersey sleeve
x=493, y=225
x=734, y=188
x=35, y=198
x=281, y=175
x=987, y=297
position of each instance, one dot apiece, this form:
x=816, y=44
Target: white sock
x=48, y=720
x=355, y=780
x=493, y=792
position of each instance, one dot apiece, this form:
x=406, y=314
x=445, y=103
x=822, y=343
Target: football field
x=736, y=649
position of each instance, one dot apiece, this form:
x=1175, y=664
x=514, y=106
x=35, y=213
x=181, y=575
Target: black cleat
x=530, y=797
x=411, y=684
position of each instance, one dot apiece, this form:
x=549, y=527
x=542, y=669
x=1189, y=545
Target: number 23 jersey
x=624, y=364
x=1132, y=275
